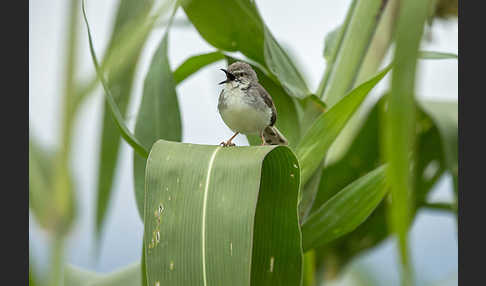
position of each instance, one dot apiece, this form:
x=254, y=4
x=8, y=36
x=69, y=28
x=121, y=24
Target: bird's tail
x=273, y=136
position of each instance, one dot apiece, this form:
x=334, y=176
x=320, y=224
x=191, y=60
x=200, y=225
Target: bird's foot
x=227, y=144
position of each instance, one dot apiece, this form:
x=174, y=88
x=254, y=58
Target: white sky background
x=301, y=27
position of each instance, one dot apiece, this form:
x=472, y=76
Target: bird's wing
x=220, y=100
x=268, y=101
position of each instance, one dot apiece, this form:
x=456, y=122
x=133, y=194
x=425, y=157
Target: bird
x=246, y=107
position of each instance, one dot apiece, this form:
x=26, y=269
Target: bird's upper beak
x=229, y=76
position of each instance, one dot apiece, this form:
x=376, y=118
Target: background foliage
x=303, y=217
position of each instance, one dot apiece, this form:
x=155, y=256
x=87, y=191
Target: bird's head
x=240, y=72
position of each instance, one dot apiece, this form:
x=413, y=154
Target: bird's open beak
x=228, y=77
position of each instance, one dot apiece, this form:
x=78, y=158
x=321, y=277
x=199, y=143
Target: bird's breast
x=243, y=113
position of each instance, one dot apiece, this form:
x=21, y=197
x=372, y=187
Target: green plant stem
x=61, y=189
x=57, y=261
x=309, y=268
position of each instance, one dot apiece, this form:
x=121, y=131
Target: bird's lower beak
x=227, y=77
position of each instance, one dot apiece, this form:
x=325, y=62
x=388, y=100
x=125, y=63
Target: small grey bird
x=246, y=107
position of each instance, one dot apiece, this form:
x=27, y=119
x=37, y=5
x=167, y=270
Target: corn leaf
x=222, y=216
x=400, y=123
x=119, y=82
x=344, y=211
x=221, y=26
x=158, y=116
x=127, y=276
x=349, y=45
x=283, y=68
x=195, y=63
x=315, y=143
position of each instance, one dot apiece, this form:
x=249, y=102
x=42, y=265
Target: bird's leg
x=228, y=143
x=263, y=138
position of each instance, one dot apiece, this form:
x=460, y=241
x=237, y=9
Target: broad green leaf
x=344, y=211
x=119, y=82
x=431, y=55
x=399, y=123
x=195, y=63
x=220, y=24
x=158, y=116
x=315, y=143
x=283, y=68
x=127, y=276
x=287, y=118
x=351, y=44
x=222, y=216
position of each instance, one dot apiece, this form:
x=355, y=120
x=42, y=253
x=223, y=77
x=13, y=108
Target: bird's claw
x=227, y=144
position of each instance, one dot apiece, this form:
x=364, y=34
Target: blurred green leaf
x=54, y=213
x=119, y=83
x=287, y=118
x=351, y=42
x=344, y=211
x=229, y=198
x=74, y=276
x=195, y=63
x=331, y=43
x=399, y=123
x=283, y=68
x=315, y=143
x=431, y=55
x=158, y=116
x=127, y=276
x=220, y=24
x=143, y=267
x=444, y=114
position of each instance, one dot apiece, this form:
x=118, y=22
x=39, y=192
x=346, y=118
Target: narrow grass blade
x=431, y=55
x=400, y=121
x=344, y=211
x=194, y=64
x=158, y=116
x=315, y=143
x=120, y=82
x=356, y=35
x=222, y=216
